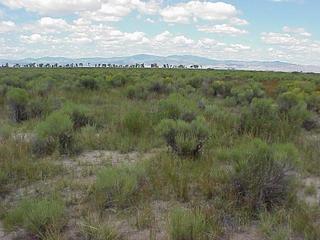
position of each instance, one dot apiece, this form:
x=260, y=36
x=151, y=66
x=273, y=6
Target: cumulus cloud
x=97, y=10
x=54, y=6
x=193, y=10
x=292, y=44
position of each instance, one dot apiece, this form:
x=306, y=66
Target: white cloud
x=280, y=39
x=292, y=44
x=53, y=22
x=33, y=38
x=193, y=10
x=97, y=10
x=222, y=29
x=54, y=6
x=299, y=31
x=7, y=26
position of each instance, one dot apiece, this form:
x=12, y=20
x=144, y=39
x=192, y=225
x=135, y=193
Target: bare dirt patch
x=251, y=233
x=313, y=198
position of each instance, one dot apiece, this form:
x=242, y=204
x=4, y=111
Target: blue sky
x=285, y=30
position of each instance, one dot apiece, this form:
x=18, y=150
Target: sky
x=265, y=30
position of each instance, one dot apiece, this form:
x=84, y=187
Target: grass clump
x=136, y=122
x=37, y=216
x=93, y=229
x=117, y=186
x=185, y=139
x=55, y=131
x=187, y=225
x=176, y=106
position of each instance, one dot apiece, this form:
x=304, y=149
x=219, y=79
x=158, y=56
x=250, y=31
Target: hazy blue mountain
x=173, y=60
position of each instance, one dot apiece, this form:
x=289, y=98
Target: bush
x=137, y=91
x=117, y=186
x=313, y=103
x=159, y=87
x=119, y=80
x=18, y=99
x=187, y=225
x=245, y=94
x=37, y=216
x=56, y=130
x=287, y=101
x=185, y=139
x=37, y=108
x=136, y=122
x=261, y=179
x=41, y=86
x=221, y=88
x=79, y=115
x=261, y=119
x=89, y=83
x=176, y=107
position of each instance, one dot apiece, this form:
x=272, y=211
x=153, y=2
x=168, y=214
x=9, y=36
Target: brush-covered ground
x=105, y=154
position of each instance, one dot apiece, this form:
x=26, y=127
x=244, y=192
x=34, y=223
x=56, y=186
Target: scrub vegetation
x=104, y=154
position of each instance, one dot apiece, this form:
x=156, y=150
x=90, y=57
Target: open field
x=105, y=154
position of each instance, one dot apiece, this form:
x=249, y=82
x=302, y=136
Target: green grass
x=187, y=225
x=37, y=216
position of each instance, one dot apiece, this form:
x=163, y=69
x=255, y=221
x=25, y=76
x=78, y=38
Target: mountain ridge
x=173, y=60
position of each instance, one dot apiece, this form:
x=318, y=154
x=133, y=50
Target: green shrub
x=176, y=107
x=18, y=99
x=261, y=119
x=136, y=122
x=313, y=103
x=89, y=83
x=41, y=87
x=117, y=186
x=195, y=82
x=158, y=87
x=261, y=176
x=79, y=115
x=119, y=80
x=221, y=88
x=187, y=225
x=137, y=91
x=287, y=101
x=37, y=108
x=245, y=94
x=56, y=130
x=186, y=139
x=37, y=216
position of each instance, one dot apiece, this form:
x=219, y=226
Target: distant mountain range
x=186, y=60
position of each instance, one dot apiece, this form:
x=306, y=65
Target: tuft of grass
x=144, y=217
x=117, y=186
x=187, y=225
x=93, y=229
x=38, y=216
